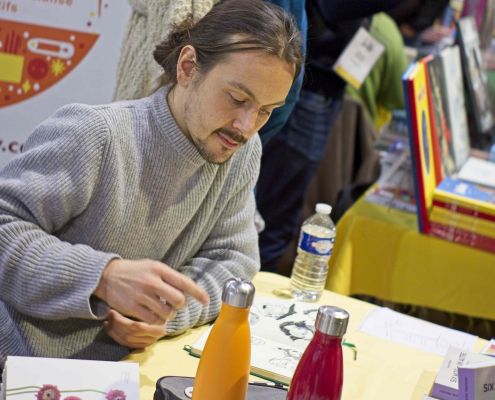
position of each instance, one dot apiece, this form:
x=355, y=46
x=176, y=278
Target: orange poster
x=53, y=53
x=33, y=58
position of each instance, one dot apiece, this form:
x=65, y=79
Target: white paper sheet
x=412, y=332
x=28, y=378
x=478, y=171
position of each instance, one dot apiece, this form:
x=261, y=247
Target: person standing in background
x=382, y=92
x=414, y=16
x=292, y=156
x=280, y=115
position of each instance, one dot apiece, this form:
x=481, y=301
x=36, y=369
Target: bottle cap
x=238, y=293
x=322, y=208
x=332, y=321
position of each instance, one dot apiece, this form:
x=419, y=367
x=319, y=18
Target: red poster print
x=34, y=57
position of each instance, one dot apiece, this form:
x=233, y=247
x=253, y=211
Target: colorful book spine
x=454, y=88
x=463, y=237
x=463, y=210
x=409, y=101
x=439, y=117
x=477, y=198
x=464, y=222
x=434, y=133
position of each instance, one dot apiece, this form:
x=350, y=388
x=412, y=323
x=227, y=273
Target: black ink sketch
x=290, y=359
x=297, y=330
x=257, y=341
x=276, y=311
x=311, y=314
x=253, y=319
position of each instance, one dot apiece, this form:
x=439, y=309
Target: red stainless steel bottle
x=320, y=372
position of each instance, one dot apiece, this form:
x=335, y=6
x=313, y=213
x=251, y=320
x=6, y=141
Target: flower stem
x=83, y=390
x=25, y=387
x=13, y=394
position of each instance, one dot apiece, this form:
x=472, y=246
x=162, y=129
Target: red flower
x=116, y=395
x=48, y=392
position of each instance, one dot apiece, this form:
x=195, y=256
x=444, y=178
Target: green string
x=189, y=350
x=352, y=347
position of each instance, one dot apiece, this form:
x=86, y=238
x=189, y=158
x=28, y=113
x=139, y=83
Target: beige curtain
x=138, y=73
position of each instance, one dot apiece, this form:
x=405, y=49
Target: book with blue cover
x=466, y=194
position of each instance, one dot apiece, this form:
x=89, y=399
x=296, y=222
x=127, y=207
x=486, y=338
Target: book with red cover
x=463, y=237
x=466, y=198
x=420, y=140
x=463, y=210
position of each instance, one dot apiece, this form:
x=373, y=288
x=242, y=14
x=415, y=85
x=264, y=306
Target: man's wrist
x=101, y=289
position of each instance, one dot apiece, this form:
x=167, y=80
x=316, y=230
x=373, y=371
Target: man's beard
x=209, y=155
x=202, y=144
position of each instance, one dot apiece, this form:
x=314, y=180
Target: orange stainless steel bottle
x=223, y=370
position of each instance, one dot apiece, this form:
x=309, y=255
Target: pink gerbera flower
x=48, y=392
x=116, y=395
x=72, y=398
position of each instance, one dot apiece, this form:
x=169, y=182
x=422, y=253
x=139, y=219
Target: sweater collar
x=169, y=128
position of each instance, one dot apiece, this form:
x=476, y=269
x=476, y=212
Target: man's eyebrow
x=246, y=90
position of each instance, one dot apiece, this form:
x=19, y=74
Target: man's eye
x=236, y=101
x=265, y=111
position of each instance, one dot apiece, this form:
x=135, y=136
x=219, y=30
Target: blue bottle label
x=316, y=245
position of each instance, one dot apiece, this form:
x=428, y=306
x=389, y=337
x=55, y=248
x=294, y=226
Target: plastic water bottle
x=316, y=240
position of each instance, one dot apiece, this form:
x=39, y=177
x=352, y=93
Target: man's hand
x=134, y=288
x=131, y=333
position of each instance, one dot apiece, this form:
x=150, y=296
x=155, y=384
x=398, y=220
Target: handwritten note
x=412, y=332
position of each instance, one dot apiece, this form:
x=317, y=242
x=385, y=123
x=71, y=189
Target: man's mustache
x=234, y=136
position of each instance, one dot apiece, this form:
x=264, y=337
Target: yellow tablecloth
x=379, y=252
x=383, y=370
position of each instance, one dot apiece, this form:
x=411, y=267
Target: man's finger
x=117, y=335
x=158, y=307
x=174, y=297
x=143, y=314
x=136, y=328
x=185, y=284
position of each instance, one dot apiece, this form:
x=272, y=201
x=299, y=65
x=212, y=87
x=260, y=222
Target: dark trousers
x=289, y=162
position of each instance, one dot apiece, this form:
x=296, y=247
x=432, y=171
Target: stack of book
x=455, y=193
x=464, y=212
x=464, y=375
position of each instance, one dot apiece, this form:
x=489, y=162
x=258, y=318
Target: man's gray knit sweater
x=96, y=183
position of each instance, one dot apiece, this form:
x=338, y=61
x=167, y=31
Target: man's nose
x=246, y=123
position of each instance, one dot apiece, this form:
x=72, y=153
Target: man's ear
x=186, y=66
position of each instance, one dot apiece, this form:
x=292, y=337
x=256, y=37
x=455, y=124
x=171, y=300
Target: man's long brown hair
x=232, y=26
